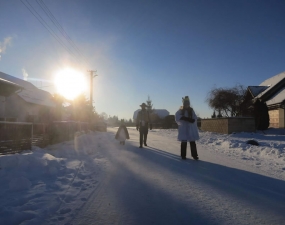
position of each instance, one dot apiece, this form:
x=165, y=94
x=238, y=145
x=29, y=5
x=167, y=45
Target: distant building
x=26, y=104
x=271, y=92
x=162, y=113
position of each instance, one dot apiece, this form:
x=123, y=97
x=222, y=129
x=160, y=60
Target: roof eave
x=8, y=88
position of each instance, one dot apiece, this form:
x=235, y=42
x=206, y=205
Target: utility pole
x=92, y=75
x=91, y=86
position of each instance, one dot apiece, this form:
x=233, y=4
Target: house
x=272, y=93
x=7, y=88
x=27, y=103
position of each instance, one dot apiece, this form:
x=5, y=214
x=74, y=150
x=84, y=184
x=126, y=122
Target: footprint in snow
x=60, y=218
x=77, y=184
x=64, y=211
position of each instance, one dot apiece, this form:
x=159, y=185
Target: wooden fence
x=229, y=125
x=16, y=136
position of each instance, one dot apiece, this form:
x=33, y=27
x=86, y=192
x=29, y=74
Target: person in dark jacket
x=122, y=133
x=143, y=124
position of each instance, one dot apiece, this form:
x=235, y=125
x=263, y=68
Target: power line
x=42, y=21
x=59, y=27
x=62, y=31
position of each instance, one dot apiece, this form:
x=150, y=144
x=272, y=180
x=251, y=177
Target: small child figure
x=122, y=133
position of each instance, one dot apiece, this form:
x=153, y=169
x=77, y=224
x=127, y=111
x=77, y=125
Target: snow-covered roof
x=256, y=90
x=30, y=93
x=162, y=113
x=7, y=87
x=271, y=82
x=277, y=98
x=23, y=83
x=37, y=96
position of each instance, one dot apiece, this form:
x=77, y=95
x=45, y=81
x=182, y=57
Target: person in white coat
x=186, y=119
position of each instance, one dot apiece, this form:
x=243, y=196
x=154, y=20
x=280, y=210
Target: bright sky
x=162, y=49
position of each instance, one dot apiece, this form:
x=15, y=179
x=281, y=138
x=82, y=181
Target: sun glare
x=70, y=83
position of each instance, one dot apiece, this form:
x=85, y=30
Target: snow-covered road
x=154, y=186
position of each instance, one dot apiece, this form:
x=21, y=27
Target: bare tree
x=226, y=100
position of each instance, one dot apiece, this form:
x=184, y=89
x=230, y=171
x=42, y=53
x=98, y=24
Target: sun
x=70, y=83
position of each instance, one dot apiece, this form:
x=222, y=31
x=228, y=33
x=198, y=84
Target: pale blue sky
x=162, y=49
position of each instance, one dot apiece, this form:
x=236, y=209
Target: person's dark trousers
x=183, y=149
x=143, y=135
x=193, y=147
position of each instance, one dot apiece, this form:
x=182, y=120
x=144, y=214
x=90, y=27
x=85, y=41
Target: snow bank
x=268, y=157
x=271, y=142
x=47, y=182
x=19, y=183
